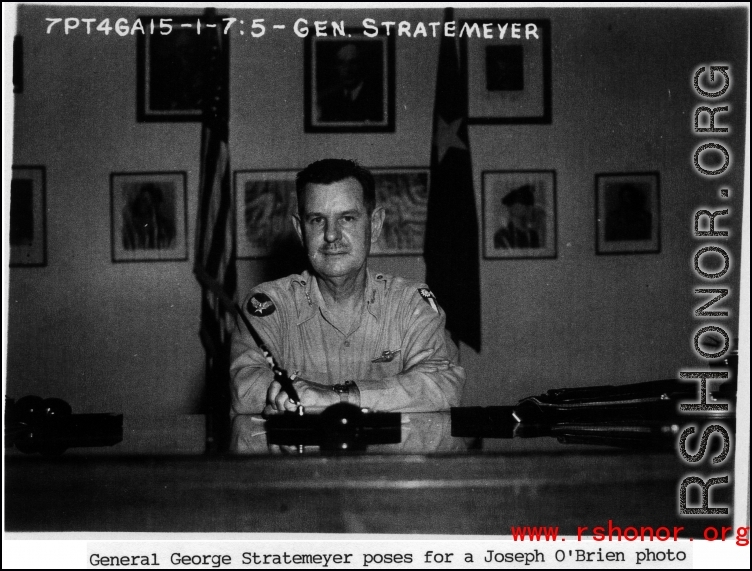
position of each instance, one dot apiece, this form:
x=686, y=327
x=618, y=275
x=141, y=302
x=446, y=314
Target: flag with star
x=451, y=244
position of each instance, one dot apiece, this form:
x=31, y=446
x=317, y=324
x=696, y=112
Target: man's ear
x=298, y=227
x=377, y=223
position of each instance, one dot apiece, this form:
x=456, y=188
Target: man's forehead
x=344, y=194
x=348, y=53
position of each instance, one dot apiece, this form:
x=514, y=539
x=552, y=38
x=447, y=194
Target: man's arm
x=250, y=373
x=430, y=379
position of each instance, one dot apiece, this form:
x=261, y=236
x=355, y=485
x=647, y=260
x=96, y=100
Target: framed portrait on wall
x=349, y=83
x=519, y=214
x=508, y=78
x=148, y=217
x=628, y=217
x=172, y=68
x=28, y=217
x=264, y=204
x=403, y=193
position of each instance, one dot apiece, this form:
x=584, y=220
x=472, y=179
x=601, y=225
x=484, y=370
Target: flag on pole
x=214, y=265
x=451, y=245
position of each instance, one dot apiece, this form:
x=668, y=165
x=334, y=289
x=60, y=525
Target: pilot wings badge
x=386, y=356
x=260, y=305
x=429, y=298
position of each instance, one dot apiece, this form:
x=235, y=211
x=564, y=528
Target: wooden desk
x=521, y=482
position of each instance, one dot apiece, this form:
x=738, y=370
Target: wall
x=124, y=337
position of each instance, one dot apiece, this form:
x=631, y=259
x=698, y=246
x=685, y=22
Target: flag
x=451, y=244
x=214, y=264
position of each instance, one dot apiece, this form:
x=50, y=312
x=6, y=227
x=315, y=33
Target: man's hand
x=313, y=397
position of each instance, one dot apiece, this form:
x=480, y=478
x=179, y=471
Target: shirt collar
x=308, y=297
x=375, y=286
x=302, y=286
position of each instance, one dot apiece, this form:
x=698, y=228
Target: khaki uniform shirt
x=397, y=351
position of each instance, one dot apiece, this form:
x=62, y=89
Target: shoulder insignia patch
x=260, y=305
x=429, y=298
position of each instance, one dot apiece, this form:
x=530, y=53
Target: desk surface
x=158, y=479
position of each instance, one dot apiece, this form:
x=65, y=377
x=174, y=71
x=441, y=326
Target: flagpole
x=214, y=263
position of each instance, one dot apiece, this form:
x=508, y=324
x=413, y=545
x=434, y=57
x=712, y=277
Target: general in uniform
x=341, y=331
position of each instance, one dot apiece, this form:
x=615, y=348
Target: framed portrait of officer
x=519, y=214
x=349, y=83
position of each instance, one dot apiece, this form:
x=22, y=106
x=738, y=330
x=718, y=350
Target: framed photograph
x=172, y=69
x=28, y=221
x=519, y=214
x=628, y=218
x=403, y=193
x=509, y=79
x=349, y=83
x=148, y=217
x=264, y=204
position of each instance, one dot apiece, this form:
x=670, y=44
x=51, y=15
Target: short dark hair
x=328, y=171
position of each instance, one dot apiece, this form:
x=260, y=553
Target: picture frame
x=508, y=79
x=28, y=217
x=627, y=213
x=265, y=201
x=403, y=193
x=519, y=214
x=149, y=213
x=171, y=69
x=349, y=83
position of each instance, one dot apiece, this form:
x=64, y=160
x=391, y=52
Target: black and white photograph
x=265, y=203
x=349, y=83
x=628, y=213
x=378, y=286
x=519, y=214
x=148, y=217
x=171, y=67
x=509, y=72
x=403, y=194
x=27, y=229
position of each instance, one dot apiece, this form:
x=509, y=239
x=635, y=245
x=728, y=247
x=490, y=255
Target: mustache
x=334, y=248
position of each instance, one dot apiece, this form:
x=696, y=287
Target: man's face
x=349, y=66
x=144, y=203
x=336, y=229
x=519, y=212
